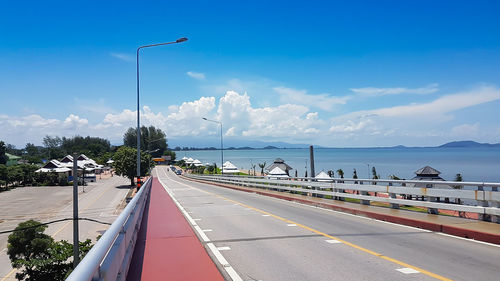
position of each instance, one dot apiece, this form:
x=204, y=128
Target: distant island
x=453, y=144
x=469, y=144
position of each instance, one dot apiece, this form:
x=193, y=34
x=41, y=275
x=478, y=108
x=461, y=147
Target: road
x=265, y=238
x=101, y=201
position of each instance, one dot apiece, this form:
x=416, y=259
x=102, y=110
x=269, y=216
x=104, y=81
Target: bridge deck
x=167, y=248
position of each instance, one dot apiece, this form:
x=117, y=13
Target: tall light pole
x=180, y=40
x=221, y=145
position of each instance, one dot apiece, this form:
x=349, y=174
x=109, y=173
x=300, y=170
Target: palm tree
x=261, y=166
x=340, y=172
x=253, y=168
x=331, y=173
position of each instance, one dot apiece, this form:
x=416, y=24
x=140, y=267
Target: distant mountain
x=468, y=144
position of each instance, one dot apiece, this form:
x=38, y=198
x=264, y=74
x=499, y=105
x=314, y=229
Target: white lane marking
x=197, y=219
x=371, y=219
x=291, y=224
x=223, y=248
x=407, y=270
x=266, y=215
x=333, y=241
x=227, y=267
x=468, y=239
x=207, y=230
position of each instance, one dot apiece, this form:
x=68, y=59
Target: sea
x=480, y=164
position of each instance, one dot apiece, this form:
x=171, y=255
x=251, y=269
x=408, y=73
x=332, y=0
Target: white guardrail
x=110, y=257
x=480, y=197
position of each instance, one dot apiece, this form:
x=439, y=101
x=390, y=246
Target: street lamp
x=221, y=146
x=180, y=40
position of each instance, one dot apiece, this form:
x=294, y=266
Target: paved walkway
x=167, y=248
x=462, y=227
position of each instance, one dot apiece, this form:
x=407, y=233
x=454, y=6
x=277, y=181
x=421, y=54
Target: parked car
x=178, y=172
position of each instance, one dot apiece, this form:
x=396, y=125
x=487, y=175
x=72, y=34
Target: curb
x=452, y=230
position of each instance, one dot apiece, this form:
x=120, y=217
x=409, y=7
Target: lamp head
x=181, y=40
x=204, y=118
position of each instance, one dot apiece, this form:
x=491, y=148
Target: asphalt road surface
x=265, y=238
x=102, y=201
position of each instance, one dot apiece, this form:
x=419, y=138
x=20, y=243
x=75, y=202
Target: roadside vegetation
x=37, y=256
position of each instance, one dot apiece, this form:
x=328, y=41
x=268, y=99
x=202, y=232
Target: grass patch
x=352, y=200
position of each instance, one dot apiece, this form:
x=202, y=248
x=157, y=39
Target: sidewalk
x=462, y=227
x=166, y=247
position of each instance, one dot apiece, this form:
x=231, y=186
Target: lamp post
x=221, y=145
x=180, y=40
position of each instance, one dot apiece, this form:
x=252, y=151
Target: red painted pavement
x=172, y=250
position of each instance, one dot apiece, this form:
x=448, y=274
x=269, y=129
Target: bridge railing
x=110, y=257
x=482, y=198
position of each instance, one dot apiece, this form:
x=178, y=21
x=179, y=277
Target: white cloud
x=322, y=101
x=75, y=122
x=196, y=75
x=291, y=122
x=123, y=57
x=465, y=130
x=375, y=92
x=442, y=105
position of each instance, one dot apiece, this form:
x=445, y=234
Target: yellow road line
x=423, y=271
x=86, y=207
x=9, y=274
x=60, y=229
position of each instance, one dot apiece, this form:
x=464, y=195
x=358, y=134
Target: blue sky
x=363, y=73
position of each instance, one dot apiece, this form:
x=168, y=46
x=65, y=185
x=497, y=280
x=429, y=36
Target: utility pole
x=76, y=252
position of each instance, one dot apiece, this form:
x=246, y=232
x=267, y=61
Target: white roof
x=184, y=158
x=57, y=170
x=277, y=173
x=229, y=168
x=322, y=176
x=197, y=163
x=110, y=162
x=189, y=160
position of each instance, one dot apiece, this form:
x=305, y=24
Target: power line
x=51, y=222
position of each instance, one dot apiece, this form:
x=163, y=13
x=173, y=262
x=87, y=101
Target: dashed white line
x=291, y=224
x=223, y=248
x=207, y=230
x=266, y=215
x=333, y=241
x=227, y=267
x=197, y=219
x=407, y=270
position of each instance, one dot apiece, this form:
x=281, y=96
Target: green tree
x=52, y=147
x=3, y=175
x=37, y=256
x=152, y=139
x=374, y=174
x=3, y=157
x=126, y=163
x=262, y=166
x=340, y=172
x=28, y=173
x=354, y=174
x=15, y=174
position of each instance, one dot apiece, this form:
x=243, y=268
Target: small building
x=277, y=173
x=229, y=168
x=427, y=173
x=324, y=177
x=12, y=159
x=281, y=164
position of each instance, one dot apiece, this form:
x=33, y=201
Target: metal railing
x=482, y=198
x=110, y=257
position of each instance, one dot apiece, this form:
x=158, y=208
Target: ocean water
x=475, y=164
